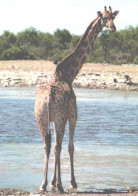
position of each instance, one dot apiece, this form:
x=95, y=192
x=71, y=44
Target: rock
x=109, y=80
x=127, y=77
x=83, y=74
x=115, y=80
x=90, y=74
x=121, y=80
x=6, y=84
x=129, y=83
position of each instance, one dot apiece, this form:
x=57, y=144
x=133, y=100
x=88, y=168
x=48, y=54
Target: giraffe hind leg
x=42, y=117
x=59, y=128
x=47, y=147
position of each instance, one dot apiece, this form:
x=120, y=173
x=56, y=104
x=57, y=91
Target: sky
x=73, y=15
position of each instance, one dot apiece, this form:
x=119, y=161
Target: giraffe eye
x=105, y=18
x=112, y=17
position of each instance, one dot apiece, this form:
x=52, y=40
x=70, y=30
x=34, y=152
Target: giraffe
x=56, y=101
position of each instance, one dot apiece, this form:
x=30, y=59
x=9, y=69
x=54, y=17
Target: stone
x=115, y=80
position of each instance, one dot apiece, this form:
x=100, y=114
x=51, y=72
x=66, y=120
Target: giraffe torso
x=58, y=98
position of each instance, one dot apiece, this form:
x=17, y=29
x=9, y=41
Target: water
x=106, y=141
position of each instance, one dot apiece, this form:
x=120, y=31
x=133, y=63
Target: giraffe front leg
x=59, y=183
x=73, y=181
x=47, y=147
x=52, y=185
x=72, y=124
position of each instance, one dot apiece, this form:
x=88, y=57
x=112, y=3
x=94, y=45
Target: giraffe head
x=107, y=18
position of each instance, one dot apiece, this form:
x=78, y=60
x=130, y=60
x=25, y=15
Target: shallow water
x=106, y=141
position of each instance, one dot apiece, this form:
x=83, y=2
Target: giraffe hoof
x=52, y=188
x=72, y=190
x=61, y=191
x=42, y=188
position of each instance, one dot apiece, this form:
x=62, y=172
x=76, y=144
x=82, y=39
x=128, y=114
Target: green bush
x=135, y=60
x=15, y=53
x=119, y=47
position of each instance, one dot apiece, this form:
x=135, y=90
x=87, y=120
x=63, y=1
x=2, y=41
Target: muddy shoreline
x=105, y=193
x=94, y=76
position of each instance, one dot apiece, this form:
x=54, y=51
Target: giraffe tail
x=47, y=142
x=48, y=117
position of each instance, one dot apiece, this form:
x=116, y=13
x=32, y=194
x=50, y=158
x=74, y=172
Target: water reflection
x=106, y=141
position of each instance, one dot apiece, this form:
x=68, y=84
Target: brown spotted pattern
x=56, y=101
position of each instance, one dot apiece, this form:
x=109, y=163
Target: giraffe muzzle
x=112, y=28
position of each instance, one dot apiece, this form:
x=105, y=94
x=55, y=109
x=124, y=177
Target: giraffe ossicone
x=56, y=101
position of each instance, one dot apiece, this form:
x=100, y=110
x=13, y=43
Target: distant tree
x=28, y=37
x=63, y=37
x=4, y=45
x=118, y=47
x=74, y=41
x=15, y=53
x=105, y=43
x=135, y=60
x=46, y=42
x=9, y=37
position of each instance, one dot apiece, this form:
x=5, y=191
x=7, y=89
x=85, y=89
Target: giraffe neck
x=70, y=66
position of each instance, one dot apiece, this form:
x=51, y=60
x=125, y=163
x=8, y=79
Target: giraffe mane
x=87, y=30
x=83, y=37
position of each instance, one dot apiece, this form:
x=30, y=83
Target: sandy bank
x=18, y=192
x=96, y=76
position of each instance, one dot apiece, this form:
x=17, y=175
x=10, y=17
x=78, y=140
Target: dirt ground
x=107, y=193
x=41, y=65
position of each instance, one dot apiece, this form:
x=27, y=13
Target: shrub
x=135, y=60
x=14, y=53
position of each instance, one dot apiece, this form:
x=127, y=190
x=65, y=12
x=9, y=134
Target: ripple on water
x=106, y=141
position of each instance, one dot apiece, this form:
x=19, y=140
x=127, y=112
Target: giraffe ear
x=115, y=13
x=99, y=14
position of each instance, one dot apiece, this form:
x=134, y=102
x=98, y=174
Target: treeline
x=120, y=47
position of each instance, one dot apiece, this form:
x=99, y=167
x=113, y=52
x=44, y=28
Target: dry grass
x=27, y=65
x=37, y=65
x=131, y=70
x=110, y=68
